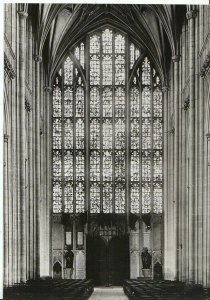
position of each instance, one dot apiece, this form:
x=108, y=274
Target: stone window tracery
x=107, y=133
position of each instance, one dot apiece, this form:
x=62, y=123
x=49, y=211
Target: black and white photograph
x=105, y=151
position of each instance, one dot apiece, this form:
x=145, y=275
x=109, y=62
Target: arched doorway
x=107, y=263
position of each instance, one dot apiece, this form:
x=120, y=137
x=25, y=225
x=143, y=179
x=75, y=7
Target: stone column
x=201, y=106
x=22, y=135
x=175, y=60
x=38, y=60
x=191, y=19
x=6, y=213
x=165, y=179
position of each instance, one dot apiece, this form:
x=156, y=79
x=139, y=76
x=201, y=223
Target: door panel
x=107, y=264
x=119, y=263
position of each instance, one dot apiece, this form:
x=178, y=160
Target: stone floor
x=108, y=293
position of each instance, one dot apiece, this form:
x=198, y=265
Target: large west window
x=107, y=129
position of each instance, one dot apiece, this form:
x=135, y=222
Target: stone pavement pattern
x=108, y=293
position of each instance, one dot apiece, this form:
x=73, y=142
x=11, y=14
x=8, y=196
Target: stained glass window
x=107, y=129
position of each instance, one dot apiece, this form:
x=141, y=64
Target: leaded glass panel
x=120, y=134
x=119, y=198
x=80, y=166
x=134, y=103
x=80, y=197
x=146, y=133
x=146, y=165
x=95, y=161
x=68, y=71
x=57, y=197
x=107, y=69
x=68, y=133
x=135, y=198
x=107, y=197
x=80, y=133
x=119, y=69
x=94, y=102
x=68, y=197
x=95, y=197
x=120, y=165
x=95, y=43
x=79, y=102
x=158, y=196
x=56, y=102
x=107, y=166
x=107, y=133
x=135, y=164
x=57, y=164
x=157, y=133
x=146, y=198
x=107, y=102
x=95, y=133
x=158, y=165
x=107, y=41
x=68, y=165
x=146, y=72
x=157, y=103
x=68, y=101
x=146, y=102
x=134, y=133
x=119, y=102
x=119, y=44
x=95, y=70
x=57, y=133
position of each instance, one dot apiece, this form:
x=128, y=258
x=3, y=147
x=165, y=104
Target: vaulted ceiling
x=152, y=27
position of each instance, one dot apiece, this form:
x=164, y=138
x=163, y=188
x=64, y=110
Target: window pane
x=119, y=198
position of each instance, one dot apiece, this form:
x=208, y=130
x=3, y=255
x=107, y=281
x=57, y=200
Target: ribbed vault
x=152, y=27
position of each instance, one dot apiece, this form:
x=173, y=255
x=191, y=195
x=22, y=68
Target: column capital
x=48, y=89
x=191, y=14
x=6, y=137
x=165, y=89
x=23, y=14
x=38, y=58
x=175, y=58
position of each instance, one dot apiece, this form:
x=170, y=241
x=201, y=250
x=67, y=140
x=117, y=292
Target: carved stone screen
x=107, y=129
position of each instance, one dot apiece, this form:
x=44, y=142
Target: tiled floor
x=108, y=293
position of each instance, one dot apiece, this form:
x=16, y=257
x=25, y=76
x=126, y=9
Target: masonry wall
x=187, y=154
x=26, y=205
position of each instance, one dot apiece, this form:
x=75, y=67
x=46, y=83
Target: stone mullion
x=152, y=163
x=140, y=143
x=37, y=160
x=87, y=127
x=176, y=162
x=22, y=135
x=62, y=142
x=74, y=145
x=113, y=123
x=127, y=131
x=190, y=16
x=101, y=127
x=200, y=155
